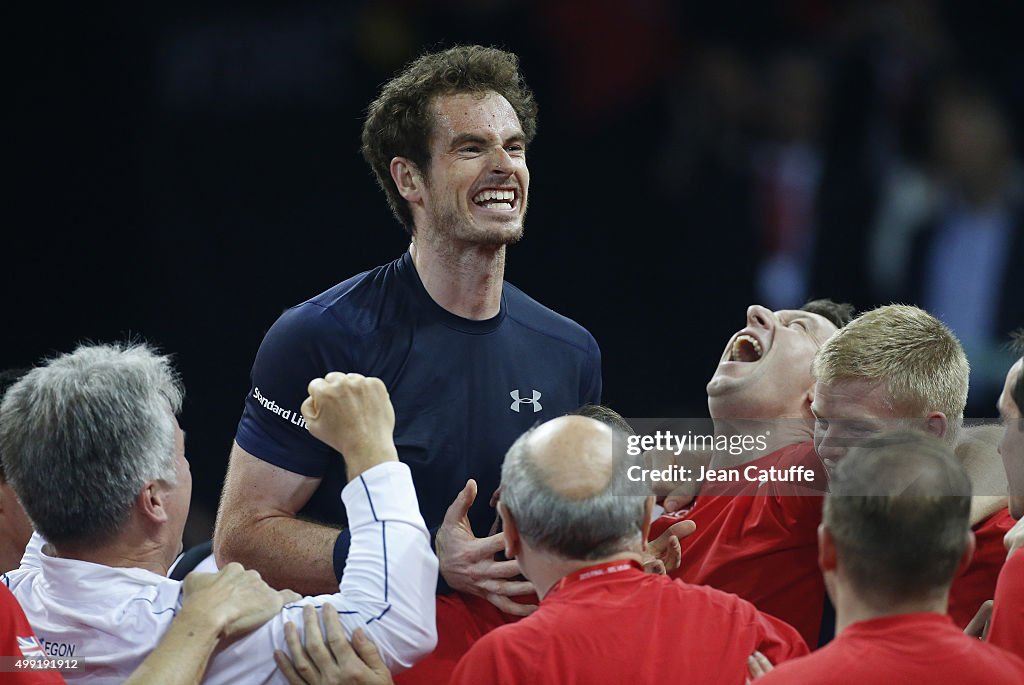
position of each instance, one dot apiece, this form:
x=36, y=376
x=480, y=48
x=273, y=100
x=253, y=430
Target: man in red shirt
x=579, y=540
x=759, y=540
x=19, y=647
x=895, y=530
x=1007, y=626
x=899, y=367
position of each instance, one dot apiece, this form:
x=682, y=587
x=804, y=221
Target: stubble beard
x=455, y=228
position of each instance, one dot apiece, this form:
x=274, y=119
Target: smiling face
x=765, y=370
x=1011, y=447
x=476, y=186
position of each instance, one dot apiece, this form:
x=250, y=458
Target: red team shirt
x=760, y=542
x=613, y=623
x=1007, y=629
x=908, y=648
x=462, y=619
x=978, y=582
x=17, y=641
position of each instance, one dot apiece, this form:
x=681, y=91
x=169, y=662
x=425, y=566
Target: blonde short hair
x=919, y=359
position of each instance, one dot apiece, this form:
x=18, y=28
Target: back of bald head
x=561, y=482
x=572, y=455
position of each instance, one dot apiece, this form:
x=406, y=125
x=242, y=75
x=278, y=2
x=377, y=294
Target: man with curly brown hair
x=470, y=361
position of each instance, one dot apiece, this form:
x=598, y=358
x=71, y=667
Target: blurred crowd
x=692, y=158
x=870, y=157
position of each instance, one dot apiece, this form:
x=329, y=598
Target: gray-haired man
x=92, y=447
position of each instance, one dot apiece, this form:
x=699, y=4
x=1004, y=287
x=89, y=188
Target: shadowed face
x=849, y=412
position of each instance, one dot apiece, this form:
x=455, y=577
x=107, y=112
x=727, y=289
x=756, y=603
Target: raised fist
x=352, y=414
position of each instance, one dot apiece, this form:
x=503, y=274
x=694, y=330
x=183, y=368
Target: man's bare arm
x=258, y=528
x=977, y=450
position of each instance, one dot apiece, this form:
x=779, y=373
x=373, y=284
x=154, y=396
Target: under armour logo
x=535, y=400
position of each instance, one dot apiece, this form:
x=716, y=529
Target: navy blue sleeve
x=294, y=352
x=590, y=388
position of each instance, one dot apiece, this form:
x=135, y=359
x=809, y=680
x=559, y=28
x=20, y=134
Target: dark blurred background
x=185, y=171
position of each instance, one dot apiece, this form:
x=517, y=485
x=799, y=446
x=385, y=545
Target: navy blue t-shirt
x=463, y=390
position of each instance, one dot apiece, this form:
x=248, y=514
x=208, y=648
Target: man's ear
x=510, y=531
x=805, y=410
x=151, y=504
x=408, y=180
x=936, y=424
x=826, y=549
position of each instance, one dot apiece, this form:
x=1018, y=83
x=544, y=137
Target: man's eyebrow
x=817, y=321
x=464, y=138
x=477, y=139
x=788, y=316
